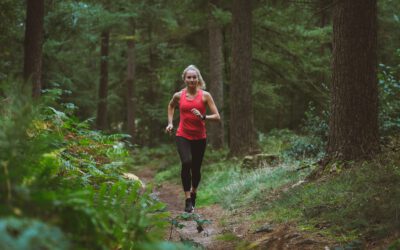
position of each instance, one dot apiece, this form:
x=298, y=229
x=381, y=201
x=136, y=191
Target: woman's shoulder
x=177, y=95
x=206, y=93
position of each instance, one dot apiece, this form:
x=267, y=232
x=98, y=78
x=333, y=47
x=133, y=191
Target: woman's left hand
x=197, y=113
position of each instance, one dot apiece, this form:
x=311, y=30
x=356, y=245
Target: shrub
x=315, y=123
x=290, y=145
x=70, y=177
x=29, y=234
x=389, y=102
x=362, y=201
x=302, y=147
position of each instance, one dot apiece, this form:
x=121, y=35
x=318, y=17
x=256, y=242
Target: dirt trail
x=236, y=224
x=172, y=195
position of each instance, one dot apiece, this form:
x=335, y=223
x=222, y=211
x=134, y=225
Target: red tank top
x=191, y=127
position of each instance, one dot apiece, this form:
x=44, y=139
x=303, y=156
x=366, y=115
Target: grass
x=214, y=178
x=254, y=185
x=224, y=181
x=172, y=173
x=160, y=157
x=360, y=202
x=229, y=237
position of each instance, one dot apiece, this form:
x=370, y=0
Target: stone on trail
x=265, y=228
x=260, y=161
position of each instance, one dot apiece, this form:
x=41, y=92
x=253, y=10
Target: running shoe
x=188, y=205
x=193, y=197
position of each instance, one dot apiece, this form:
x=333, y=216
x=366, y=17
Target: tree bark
x=33, y=45
x=103, y=86
x=152, y=94
x=216, y=57
x=130, y=89
x=353, y=130
x=242, y=136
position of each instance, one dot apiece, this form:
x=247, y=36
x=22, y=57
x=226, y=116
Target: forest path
x=172, y=195
x=234, y=228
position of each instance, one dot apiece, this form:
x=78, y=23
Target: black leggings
x=191, y=153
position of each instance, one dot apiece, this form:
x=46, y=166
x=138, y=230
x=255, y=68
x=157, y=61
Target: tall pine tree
x=101, y=121
x=216, y=63
x=130, y=84
x=353, y=130
x=33, y=45
x=242, y=136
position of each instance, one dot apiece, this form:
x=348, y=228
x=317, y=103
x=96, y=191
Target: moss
x=227, y=237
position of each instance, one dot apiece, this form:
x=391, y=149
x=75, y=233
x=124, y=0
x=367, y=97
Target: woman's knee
x=187, y=162
x=196, y=173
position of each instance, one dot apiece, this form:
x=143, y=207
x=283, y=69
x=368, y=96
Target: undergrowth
x=350, y=204
x=62, y=184
x=359, y=203
x=225, y=181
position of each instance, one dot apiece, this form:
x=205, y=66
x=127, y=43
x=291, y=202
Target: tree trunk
x=130, y=89
x=216, y=130
x=103, y=87
x=324, y=19
x=33, y=45
x=354, y=109
x=152, y=95
x=242, y=136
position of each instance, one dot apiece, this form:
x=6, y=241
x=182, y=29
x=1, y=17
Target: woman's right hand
x=169, y=128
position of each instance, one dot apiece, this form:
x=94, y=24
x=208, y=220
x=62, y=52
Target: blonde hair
x=192, y=67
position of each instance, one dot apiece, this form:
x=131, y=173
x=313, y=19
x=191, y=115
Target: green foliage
x=190, y=217
x=61, y=172
x=30, y=234
x=171, y=173
x=12, y=32
x=311, y=143
x=228, y=237
x=315, y=124
x=388, y=32
x=223, y=17
x=159, y=31
x=302, y=147
x=276, y=141
x=225, y=182
x=153, y=155
x=394, y=245
x=19, y=128
x=58, y=170
x=348, y=206
x=291, y=53
x=389, y=86
x=292, y=146
x=168, y=246
x=252, y=186
x=166, y=161
x=291, y=64
x=360, y=202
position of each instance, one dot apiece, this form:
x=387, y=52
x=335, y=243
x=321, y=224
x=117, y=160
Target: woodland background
x=85, y=86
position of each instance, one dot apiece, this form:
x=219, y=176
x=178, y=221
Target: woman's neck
x=191, y=91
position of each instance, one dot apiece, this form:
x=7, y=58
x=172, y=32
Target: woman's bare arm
x=171, y=109
x=214, y=116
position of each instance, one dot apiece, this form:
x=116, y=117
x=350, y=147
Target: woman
x=191, y=133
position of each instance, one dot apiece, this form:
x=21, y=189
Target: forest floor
x=278, y=207
x=229, y=229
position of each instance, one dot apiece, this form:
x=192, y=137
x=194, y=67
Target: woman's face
x=191, y=78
